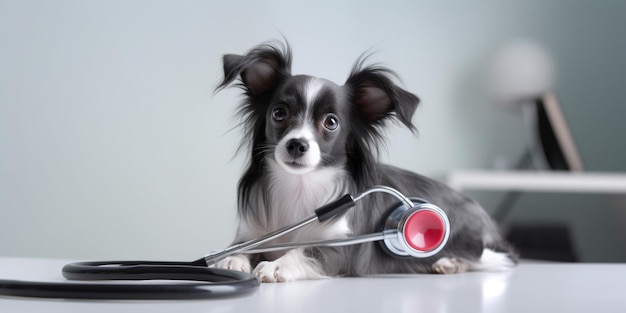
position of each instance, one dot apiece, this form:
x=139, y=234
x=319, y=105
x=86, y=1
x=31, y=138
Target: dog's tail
x=499, y=258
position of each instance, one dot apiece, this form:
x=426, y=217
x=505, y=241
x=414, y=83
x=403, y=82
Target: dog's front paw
x=236, y=263
x=449, y=266
x=291, y=266
x=274, y=272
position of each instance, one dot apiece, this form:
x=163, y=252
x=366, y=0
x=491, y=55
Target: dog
x=309, y=141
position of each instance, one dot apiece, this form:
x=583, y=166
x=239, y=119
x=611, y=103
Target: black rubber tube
x=334, y=208
x=207, y=283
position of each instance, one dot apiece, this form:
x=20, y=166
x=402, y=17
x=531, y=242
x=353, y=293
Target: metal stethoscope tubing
x=394, y=237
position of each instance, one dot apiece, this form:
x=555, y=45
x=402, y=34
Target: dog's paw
x=238, y=262
x=449, y=266
x=291, y=266
x=273, y=272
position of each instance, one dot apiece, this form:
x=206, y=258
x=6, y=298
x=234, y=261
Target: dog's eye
x=279, y=114
x=331, y=122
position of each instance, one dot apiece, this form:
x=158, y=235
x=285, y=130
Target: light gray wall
x=112, y=144
x=587, y=41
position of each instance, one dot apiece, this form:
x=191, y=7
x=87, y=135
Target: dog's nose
x=297, y=147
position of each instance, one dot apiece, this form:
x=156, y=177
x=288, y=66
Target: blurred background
x=113, y=145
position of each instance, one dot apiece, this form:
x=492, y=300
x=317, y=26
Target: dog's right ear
x=260, y=71
x=376, y=98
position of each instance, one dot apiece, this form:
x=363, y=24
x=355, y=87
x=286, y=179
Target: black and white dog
x=311, y=141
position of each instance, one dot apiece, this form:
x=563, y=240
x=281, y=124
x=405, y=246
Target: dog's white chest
x=293, y=197
x=296, y=196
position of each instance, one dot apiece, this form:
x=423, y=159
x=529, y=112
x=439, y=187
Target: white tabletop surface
x=531, y=287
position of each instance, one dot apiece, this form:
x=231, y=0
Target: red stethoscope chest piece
x=424, y=230
x=419, y=231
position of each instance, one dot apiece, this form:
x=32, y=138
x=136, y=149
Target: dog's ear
x=260, y=70
x=376, y=98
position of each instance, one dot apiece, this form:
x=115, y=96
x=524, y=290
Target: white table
x=531, y=287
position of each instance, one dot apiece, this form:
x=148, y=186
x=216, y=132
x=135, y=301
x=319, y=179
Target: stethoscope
x=411, y=228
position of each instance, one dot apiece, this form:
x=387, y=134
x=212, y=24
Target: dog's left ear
x=377, y=98
x=260, y=70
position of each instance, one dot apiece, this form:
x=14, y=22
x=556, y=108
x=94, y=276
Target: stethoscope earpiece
x=420, y=231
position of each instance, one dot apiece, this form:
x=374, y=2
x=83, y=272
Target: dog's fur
x=311, y=141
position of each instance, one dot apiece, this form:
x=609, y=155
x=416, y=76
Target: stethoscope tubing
x=323, y=213
x=208, y=283
x=353, y=240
